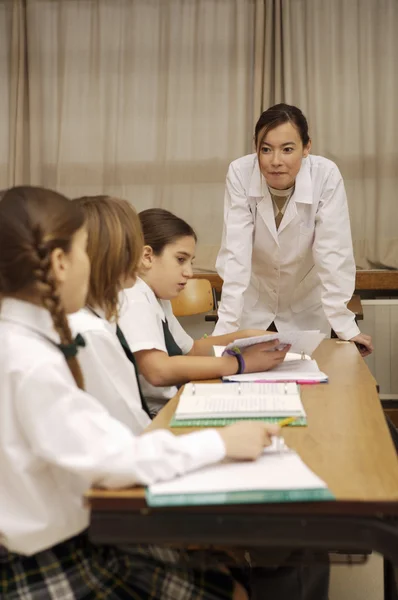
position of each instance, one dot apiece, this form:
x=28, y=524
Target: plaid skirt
x=79, y=570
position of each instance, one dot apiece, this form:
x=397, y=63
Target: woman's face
x=280, y=155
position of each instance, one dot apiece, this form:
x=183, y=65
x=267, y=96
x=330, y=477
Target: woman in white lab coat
x=286, y=256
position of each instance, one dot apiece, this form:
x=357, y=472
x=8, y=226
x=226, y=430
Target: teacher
x=286, y=256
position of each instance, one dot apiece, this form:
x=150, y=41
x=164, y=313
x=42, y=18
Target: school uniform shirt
x=142, y=319
x=56, y=440
x=300, y=275
x=108, y=374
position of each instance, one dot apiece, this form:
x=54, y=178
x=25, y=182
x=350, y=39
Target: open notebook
x=220, y=404
x=279, y=475
x=295, y=367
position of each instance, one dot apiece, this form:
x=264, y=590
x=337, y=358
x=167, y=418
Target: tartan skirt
x=79, y=570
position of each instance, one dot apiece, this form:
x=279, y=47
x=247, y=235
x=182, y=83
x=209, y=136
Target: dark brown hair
x=115, y=244
x=161, y=227
x=277, y=115
x=33, y=223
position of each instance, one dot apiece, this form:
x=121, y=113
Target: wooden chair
x=195, y=299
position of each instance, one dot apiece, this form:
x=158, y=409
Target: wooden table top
x=346, y=442
x=372, y=279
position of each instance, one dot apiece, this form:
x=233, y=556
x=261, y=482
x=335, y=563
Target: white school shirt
x=108, y=374
x=141, y=317
x=56, y=440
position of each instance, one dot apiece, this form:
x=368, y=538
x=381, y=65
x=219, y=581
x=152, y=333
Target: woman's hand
x=364, y=344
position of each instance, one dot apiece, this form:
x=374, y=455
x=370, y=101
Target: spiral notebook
x=220, y=404
x=279, y=475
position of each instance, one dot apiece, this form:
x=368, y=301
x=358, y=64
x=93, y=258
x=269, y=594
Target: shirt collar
x=100, y=313
x=302, y=186
x=152, y=299
x=31, y=316
x=281, y=193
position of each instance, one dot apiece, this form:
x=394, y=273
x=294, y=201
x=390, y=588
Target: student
x=114, y=247
x=56, y=440
x=166, y=355
x=286, y=256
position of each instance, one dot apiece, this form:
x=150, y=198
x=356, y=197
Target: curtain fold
x=337, y=61
x=144, y=99
x=151, y=99
x=14, y=98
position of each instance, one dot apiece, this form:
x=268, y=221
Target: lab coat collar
x=256, y=181
x=303, y=185
x=28, y=315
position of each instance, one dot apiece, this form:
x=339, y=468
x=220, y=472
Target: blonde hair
x=115, y=244
x=33, y=223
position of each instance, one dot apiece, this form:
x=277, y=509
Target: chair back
x=196, y=298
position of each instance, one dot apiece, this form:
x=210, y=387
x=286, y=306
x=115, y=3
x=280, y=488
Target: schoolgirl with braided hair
x=56, y=440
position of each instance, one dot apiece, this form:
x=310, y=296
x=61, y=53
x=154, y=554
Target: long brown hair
x=115, y=244
x=161, y=227
x=33, y=222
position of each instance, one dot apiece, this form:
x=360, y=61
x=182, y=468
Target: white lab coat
x=301, y=276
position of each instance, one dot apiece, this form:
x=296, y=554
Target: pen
x=287, y=421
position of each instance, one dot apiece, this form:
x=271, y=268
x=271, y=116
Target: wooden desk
x=354, y=304
x=346, y=443
x=372, y=279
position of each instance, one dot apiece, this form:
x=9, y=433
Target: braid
x=46, y=287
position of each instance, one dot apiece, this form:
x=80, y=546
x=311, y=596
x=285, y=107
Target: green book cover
x=220, y=422
x=241, y=497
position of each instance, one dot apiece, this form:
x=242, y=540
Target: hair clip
x=71, y=350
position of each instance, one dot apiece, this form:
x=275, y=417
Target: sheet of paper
x=301, y=341
x=219, y=406
x=232, y=390
x=277, y=469
x=218, y=350
x=295, y=356
x=295, y=370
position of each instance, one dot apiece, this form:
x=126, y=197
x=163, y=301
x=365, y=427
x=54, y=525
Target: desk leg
x=390, y=581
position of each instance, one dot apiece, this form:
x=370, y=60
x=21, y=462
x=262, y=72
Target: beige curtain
x=151, y=99
x=144, y=99
x=337, y=60
x=13, y=97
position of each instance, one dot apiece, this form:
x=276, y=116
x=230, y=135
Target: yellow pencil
x=287, y=421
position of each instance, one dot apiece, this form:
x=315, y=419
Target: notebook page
x=235, y=406
x=236, y=389
x=274, y=470
x=295, y=370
